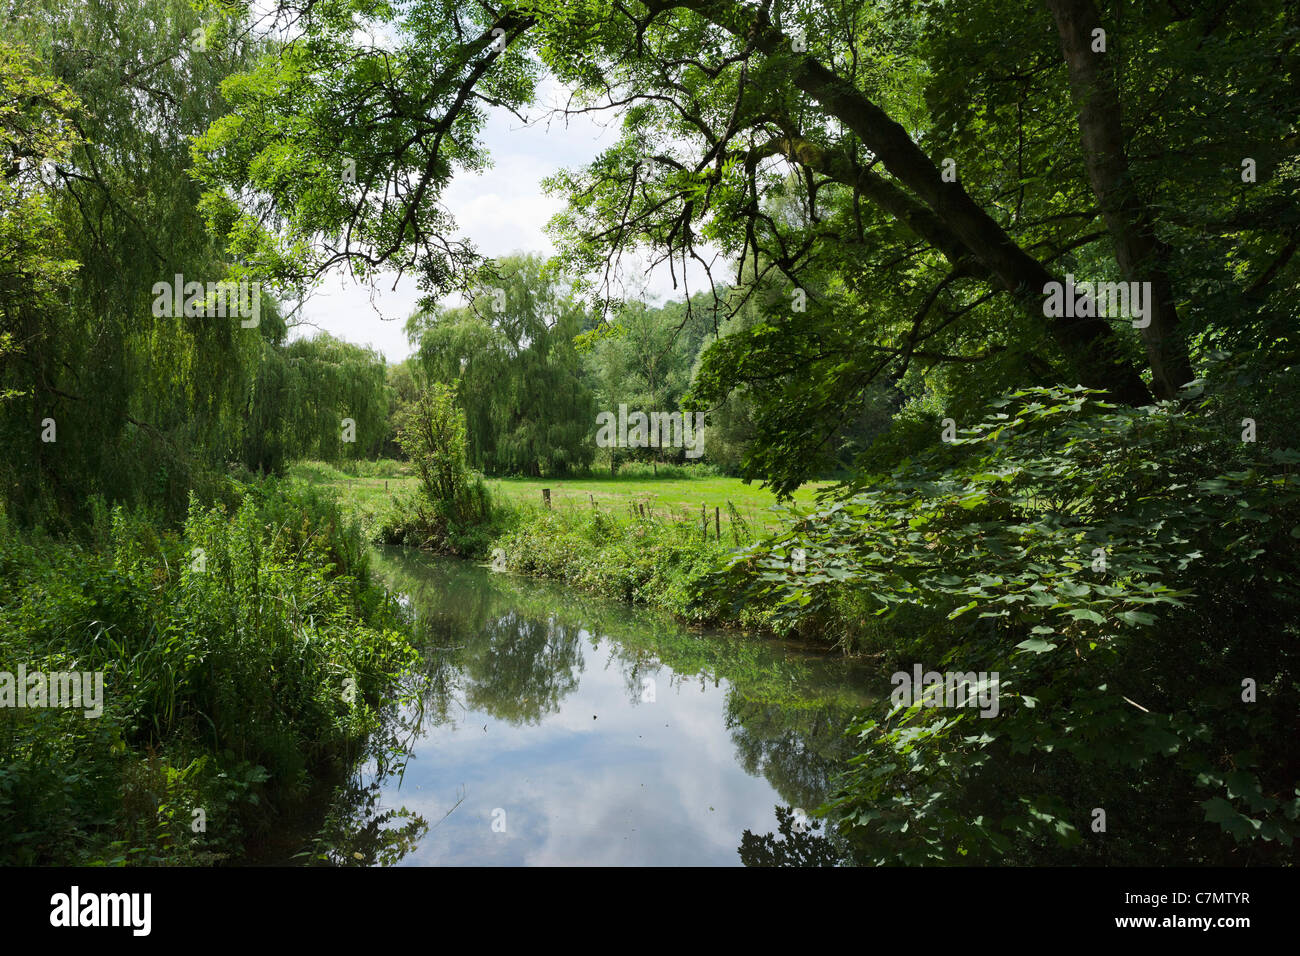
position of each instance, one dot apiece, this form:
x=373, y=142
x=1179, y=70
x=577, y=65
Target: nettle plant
x=1124, y=570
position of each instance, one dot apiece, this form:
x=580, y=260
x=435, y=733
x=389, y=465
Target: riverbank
x=242, y=657
x=653, y=549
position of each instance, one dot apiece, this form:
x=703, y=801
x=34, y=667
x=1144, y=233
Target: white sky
x=502, y=210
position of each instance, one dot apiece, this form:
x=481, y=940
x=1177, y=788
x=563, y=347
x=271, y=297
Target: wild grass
x=243, y=655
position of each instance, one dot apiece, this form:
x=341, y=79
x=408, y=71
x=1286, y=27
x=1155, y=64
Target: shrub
x=1122, y=570
x=431, y=430
x=239, y=654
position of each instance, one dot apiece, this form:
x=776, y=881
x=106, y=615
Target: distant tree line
x=533, y=365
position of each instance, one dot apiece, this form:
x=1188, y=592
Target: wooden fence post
x=717, y=524
x=546, y=496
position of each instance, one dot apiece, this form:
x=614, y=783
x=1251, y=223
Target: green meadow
x=370, y=486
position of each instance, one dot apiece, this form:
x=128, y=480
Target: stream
x=548, y=728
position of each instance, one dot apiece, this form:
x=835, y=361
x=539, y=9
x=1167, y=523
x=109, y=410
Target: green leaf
x=962, y=610
x=1137, y=617
x=1036, y=645
x=1083, y=614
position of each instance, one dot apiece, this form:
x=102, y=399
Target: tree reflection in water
x=514, y=649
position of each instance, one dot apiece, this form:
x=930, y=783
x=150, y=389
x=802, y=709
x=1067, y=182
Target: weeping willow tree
x=337, y=405
x=107, y=396
x=518, y=375
x=318, y=398
x=34, y=131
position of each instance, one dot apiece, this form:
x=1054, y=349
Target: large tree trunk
x=1140, y=254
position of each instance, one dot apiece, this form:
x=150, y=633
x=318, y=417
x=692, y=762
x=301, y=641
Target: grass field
x=663, y=496
x=681, y=497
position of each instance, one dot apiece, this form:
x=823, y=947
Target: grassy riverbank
x=634, y=537
x=244, y=655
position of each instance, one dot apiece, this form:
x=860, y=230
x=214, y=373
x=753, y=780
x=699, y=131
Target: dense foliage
x=98, y=392
x=1123, y=571
x=242, y=657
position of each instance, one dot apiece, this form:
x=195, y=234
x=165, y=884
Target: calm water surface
x=549, y=729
